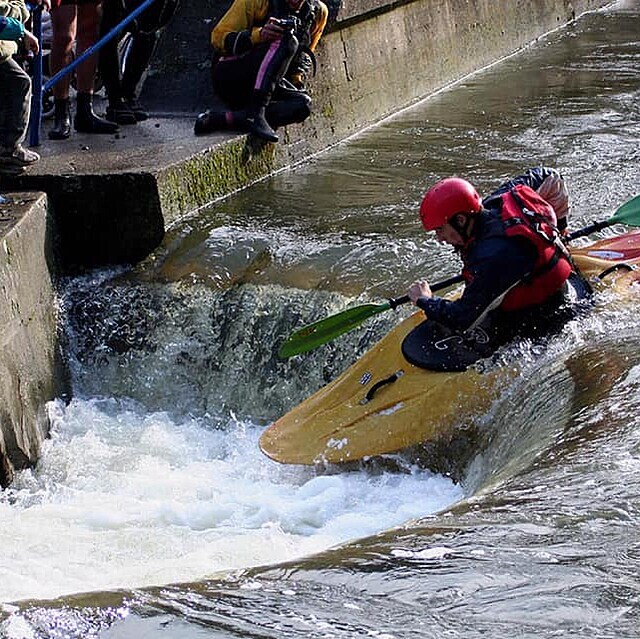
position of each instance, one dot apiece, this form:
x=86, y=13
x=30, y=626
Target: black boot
x=210, y=121
x=138, y=109
x=119, y=112
x=61, y=120
x=254, y=120
x=86, y=121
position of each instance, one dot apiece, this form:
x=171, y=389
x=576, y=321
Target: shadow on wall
x=179, y=75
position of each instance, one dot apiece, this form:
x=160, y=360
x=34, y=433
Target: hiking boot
x=138, y=110
x=18, y=156
x=121, y=114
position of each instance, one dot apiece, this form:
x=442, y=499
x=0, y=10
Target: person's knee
x=23, y=84
x=303, y=108
x=299, y=106
x=63, y=40
x=293, y=110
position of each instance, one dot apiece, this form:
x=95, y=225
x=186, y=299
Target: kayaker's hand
x=418, y=289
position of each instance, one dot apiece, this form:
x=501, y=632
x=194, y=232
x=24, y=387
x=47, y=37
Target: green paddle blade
x=327, y=329
x=313, y=335
x=628, y=213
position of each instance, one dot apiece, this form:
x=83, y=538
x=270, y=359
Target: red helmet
x=447, y=198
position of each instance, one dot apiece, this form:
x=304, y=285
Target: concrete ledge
x=31, y=368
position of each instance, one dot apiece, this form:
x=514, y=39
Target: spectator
x=15, y=87
x=122, y=91
x=263, y=54
x=71, y=20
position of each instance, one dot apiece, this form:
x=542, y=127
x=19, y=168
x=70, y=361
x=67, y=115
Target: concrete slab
x=156, y=143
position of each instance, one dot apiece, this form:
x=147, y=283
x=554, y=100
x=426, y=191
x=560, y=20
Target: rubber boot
x=138, y=110
x=86, y=121
x=120, y=113
x=61, y=120
x=255, y=121
x=209, y=121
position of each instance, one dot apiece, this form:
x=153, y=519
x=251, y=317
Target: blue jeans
x=15, y=102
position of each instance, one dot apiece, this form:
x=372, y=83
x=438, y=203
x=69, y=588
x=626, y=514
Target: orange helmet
x=447, y=198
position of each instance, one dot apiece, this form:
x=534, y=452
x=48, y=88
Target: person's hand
x=30, y=42
x=271, y=31
x=418, y=289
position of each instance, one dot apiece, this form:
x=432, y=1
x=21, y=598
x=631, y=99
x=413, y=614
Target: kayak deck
x=384, y=404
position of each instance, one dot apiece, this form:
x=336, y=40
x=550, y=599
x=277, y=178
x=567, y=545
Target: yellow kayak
x=384, y=404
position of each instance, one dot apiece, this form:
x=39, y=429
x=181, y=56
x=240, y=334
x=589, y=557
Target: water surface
x=153, y=475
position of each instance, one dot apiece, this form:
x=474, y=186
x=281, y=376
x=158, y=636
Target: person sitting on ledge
x=263, y=55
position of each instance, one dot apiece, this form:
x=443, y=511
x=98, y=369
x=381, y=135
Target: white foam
x=123, y=498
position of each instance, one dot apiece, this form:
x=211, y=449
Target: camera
x=290, y=23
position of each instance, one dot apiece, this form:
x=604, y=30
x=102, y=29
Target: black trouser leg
x=288, y=109
x=247, y=84
x=108, y=59
x=140, y=52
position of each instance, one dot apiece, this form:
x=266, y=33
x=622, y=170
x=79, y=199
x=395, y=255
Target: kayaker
x=516, y=267
x=263, y=56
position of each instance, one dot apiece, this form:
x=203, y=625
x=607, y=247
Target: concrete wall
x=377, y=57
x=371, y=67
x=31, y=369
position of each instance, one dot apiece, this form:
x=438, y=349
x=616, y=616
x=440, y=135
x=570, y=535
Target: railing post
x=36, y=83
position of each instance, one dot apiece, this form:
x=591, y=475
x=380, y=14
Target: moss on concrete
x=214, y=174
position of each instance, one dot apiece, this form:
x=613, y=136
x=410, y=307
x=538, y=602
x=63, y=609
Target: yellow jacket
x=251, y=15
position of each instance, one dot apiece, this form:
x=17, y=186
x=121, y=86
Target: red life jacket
x=525, y=214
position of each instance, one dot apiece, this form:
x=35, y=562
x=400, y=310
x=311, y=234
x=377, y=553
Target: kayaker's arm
x=501, y=264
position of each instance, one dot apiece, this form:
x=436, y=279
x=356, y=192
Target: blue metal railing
x=38, y=89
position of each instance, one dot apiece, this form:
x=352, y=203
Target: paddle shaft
x=327, y=329
x=628, y=213
x=587, y=230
